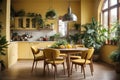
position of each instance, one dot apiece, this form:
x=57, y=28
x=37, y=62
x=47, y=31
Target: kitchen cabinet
x=24, y=23
x=30, y=23
x=24, y=50
x=13, y=53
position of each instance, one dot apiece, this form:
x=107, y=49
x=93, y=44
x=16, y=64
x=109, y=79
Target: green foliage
x=94, y=34
x=58, y=43
x=115, y=55
x=3, y=45
x=75, y=38
x=50, y=14
x=55, y=36
x=77, y=26
x=118, y=34
x=38, y=19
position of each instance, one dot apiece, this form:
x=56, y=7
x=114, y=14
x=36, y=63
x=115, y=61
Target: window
x=62, y=28
x=110, y=13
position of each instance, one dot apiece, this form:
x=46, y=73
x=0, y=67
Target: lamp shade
x=69, y=16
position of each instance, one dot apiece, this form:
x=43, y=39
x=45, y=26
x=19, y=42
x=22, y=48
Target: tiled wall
x=36, y=34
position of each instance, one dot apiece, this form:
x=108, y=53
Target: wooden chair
x=51, y=57
x=38, y=56
x=86, y=60
x=77, y=56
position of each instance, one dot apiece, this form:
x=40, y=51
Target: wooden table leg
x=68, y=64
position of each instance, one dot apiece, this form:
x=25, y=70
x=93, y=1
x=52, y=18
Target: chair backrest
x=88, y=54
x=50, y=53
x=34, y=50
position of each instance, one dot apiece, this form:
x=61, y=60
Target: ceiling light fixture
x=69, y=16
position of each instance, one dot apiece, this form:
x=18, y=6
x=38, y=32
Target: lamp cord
x=50, y=5
x=69, y=3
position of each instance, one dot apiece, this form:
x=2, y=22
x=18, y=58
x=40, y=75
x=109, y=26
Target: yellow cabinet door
x=24, y=50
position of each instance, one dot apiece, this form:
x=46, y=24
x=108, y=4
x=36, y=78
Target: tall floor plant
x=94, y=34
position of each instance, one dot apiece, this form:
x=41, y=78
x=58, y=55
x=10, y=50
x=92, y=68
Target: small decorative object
x=52, y=26
x=51, y=14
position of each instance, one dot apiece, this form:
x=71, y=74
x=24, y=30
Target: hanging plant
x=39, y=20
x=51, y=14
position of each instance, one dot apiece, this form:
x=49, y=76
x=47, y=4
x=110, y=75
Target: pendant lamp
x=69, y=16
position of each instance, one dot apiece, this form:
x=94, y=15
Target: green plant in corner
x=93, y=36
x=115, y=55
x=3, y=46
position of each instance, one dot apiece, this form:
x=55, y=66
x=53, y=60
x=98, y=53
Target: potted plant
x=74, y=38
x=94, y=36
x=111, y=32
x=3, y=46
x=50, y=14
x=55, y=37
x=115, y=57
x=39, y=20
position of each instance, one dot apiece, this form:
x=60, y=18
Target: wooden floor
x=22, y=71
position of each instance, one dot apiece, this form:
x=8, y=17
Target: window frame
x=109, y=18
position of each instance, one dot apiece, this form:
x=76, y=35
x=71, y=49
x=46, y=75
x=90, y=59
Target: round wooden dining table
x=69, y=51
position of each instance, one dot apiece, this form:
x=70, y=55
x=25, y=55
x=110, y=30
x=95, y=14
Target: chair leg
x=55, y=71
x=33, y=66
x=48, y=68
x=76, y=67
x=91, y=68
x=36, y=64
x=44, y=69
x=71, y=68
x=83, y=71
x=64, y=67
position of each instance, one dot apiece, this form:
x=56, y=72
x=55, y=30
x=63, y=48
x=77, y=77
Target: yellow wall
x=99, y=9
x=106, y=51
x=41, y=6
x=3, y=31
x=88, y=10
